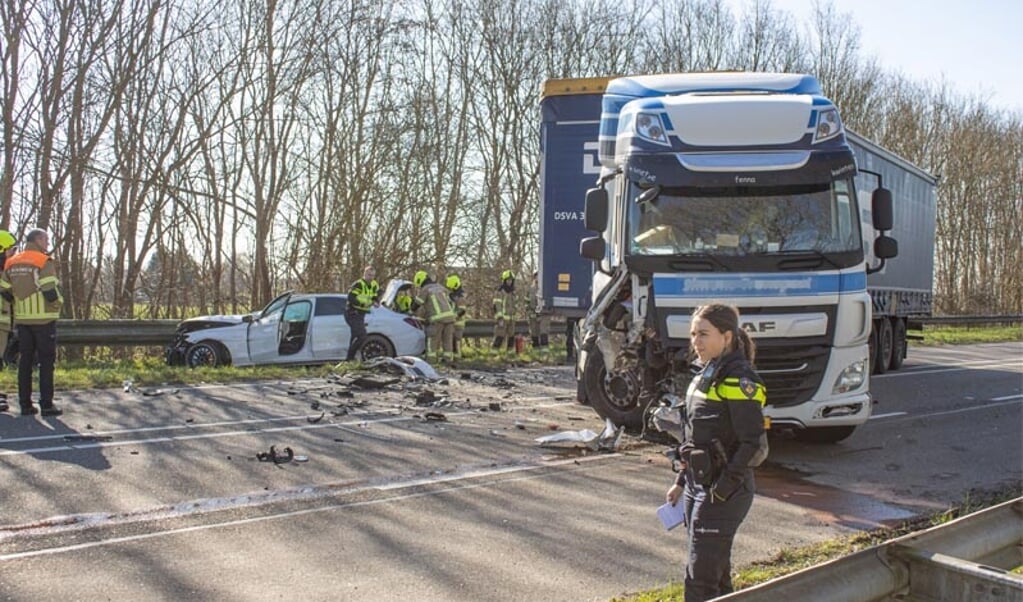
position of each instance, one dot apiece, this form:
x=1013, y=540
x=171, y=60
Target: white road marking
x=888, y=415
x=963, y=410
x=1014, y=365
x=571, y=463
x=1007, y=397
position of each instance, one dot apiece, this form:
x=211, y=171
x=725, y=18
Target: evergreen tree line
x=205, y=155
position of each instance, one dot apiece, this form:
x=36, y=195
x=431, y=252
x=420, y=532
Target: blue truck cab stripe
x=759, y=285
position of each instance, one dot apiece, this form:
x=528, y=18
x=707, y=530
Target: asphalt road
x=158, y=494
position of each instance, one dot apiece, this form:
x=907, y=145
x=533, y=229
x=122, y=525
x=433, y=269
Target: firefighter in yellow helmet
x=455, y=291
x=8, y=246
x=29, y=282
x=434, y=306
x=504, y=313
x=403, y=299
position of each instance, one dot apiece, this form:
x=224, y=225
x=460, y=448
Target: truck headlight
x=851, y=378
x=829, y=125
x=650, y=127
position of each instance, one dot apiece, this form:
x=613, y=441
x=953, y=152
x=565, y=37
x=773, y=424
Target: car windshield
x=742, y=220
x=275, y=306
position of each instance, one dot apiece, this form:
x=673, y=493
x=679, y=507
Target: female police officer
x=723, y=440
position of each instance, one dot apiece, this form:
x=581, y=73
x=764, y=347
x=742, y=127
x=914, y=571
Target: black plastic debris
x=314, y=420
x=426, y=398
x=314, y=405
x=435, y=417
x=275, y=457
x=495, y=406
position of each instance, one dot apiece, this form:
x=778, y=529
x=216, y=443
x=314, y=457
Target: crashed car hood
x=204, y=322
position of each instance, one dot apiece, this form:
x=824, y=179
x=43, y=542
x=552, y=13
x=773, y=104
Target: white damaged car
x=294, y=328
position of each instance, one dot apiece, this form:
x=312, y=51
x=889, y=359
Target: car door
x=295, y=343
x=264, y=334
x=329, y=333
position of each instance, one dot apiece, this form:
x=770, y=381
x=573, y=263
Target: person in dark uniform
x=723, y=440
x=364, y=294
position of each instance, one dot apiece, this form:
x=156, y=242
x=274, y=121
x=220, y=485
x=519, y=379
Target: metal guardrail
x=958, y=320
x=966, y=559
x=118, y=333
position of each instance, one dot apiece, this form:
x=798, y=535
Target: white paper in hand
x=672, y=516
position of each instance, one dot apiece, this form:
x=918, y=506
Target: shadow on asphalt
x=49, y=439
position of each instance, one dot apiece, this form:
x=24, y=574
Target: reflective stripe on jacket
x=28, y=276
x=363, y=294
x=504, y=304
x=436, y=304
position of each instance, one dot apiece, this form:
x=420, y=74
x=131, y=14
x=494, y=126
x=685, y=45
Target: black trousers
x=37, y=343
x=357, y=324
x=712, y=528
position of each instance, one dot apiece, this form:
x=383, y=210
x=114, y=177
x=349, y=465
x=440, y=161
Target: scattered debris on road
x=276, y=458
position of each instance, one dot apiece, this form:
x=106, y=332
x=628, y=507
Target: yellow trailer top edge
x=575, y=85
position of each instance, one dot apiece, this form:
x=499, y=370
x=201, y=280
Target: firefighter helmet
x=507, y=275
x=420, y=278
x=7, y=240
x=453, y=282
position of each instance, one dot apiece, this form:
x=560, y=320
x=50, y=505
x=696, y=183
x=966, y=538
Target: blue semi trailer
x=681, y=189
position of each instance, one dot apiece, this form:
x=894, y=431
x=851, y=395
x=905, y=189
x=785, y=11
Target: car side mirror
x=593, y=248
x=881, y=209
x=247, y=318
x=595, y=211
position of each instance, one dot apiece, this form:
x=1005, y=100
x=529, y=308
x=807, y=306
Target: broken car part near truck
x=736, y=187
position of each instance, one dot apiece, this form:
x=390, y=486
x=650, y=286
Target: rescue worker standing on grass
x=436, y=310
x=363, y=295
x=29, y=283
x=7, y=249
x=455, y=291
x=504, y=313
x=539, y=319
x=723, y=440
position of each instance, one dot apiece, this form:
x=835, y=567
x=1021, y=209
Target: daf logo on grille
x=766, y=326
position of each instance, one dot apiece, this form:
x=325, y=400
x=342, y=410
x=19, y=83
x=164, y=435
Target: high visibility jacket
x=504, y=304
x=403, y=303
x=31, y=277
x=363, y=294
x=725, y=404
x=436, y=306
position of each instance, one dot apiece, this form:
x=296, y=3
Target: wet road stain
x=827, y=504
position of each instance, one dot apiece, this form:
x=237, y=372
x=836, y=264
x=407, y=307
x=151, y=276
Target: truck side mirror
x=595, y=211
x=885, y=247
x=881, y=209
x=593, y=248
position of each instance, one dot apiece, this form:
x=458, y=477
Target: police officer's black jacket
x=725, y=403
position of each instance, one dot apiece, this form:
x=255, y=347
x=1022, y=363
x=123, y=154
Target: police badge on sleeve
x=748, y=387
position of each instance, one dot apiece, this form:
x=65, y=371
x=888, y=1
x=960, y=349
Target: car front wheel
x=206, y=353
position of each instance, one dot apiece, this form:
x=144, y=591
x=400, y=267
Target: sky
x=977, y=45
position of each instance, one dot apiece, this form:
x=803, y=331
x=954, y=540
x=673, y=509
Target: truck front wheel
x=898, y=343
x=613, y=395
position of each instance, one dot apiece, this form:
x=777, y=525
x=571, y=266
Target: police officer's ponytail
x=745, y=343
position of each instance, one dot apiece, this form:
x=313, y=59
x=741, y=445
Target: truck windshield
x=740, y=221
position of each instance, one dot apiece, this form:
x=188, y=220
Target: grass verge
x=790, y=561
x=965, y=335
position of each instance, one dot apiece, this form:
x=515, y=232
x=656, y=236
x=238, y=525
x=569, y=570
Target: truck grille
x=792, y=374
